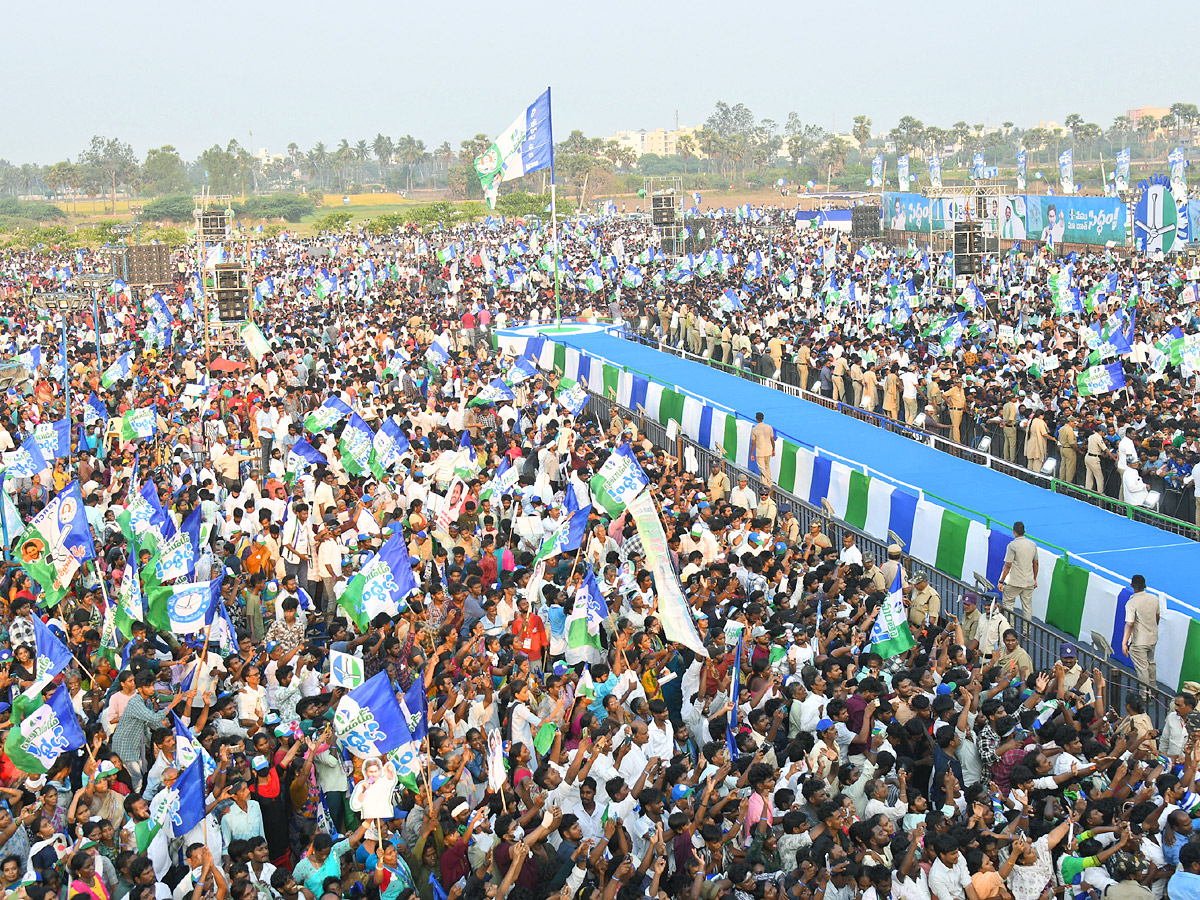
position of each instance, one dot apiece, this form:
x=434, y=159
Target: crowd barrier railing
x=1041, y=641
x=979, y=457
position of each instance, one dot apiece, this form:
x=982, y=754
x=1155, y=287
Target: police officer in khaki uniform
x=856, y=381
x=1141, y=630
x=1008, y=419
x=888, y=569
x=1093, y=479
x=956, y=401
x=873, y=573
x=1069, y=446
x=718, y=484
x=766, y=508
x=775, y=351
x=924, y=603
x=804, y=364
x=840, y=369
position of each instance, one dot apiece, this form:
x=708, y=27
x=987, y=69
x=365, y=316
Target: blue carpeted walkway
x=1168, y=561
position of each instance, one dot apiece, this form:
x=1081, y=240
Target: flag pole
x=553, y=214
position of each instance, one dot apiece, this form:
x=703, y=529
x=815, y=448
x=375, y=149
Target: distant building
x=660, y=141
x=1136, y=115
x=264, y=157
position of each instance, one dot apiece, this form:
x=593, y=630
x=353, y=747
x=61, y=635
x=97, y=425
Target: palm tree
x=960, y=130
x=1147, y=126
x=318, y=157
x=361, y=152
x=383, y=149
x=59, y=176
x=861, y=130
x=411, y=151
x=685, y=146
x=709, y=143
x=444, y=157
x=576, y=142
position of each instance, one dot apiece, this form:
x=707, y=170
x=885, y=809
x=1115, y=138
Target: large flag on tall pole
x=891, y=635
x=527, y=145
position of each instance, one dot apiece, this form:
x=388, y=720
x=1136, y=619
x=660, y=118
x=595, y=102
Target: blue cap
x=438, y=781
x=422, y=534
x=561, y=668
x=679, y=792
x=414, y=560
x=945, y=687
x=824, y=724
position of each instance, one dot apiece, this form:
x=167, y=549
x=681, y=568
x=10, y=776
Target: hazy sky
x=194, y=74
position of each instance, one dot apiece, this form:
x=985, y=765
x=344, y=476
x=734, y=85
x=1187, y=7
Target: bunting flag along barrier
x=1074, y=598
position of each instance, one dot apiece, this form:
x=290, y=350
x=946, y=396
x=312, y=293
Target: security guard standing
x=1008, y=418
x=889, y=569
x=1069, y=446
x=803, y=363
x=840, y=370
x=718, y=484
x=874, y=574
x=1093, y=476
x=924, y=602
x=956, y=401
x=775, y=351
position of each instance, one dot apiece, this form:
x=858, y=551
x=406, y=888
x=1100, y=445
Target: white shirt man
x=267, y=422
x=949, y=882
x=743, y=496
x=1126, y=451
x=1136, y=492
x=850, y=556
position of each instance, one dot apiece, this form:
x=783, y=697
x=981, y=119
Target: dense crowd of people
x=996, y=356
x=756, y=746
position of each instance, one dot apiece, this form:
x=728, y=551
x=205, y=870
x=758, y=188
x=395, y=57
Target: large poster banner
x=1121, y=175
x=912, y=212
x=1066, y=172
x=1078, y=220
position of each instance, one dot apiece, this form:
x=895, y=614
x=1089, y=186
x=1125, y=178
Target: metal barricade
x=1041, y=641
x=1171, y=524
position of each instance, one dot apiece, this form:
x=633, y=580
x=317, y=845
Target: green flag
x=891, y=635
x=139, y=424
x=22, y=707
